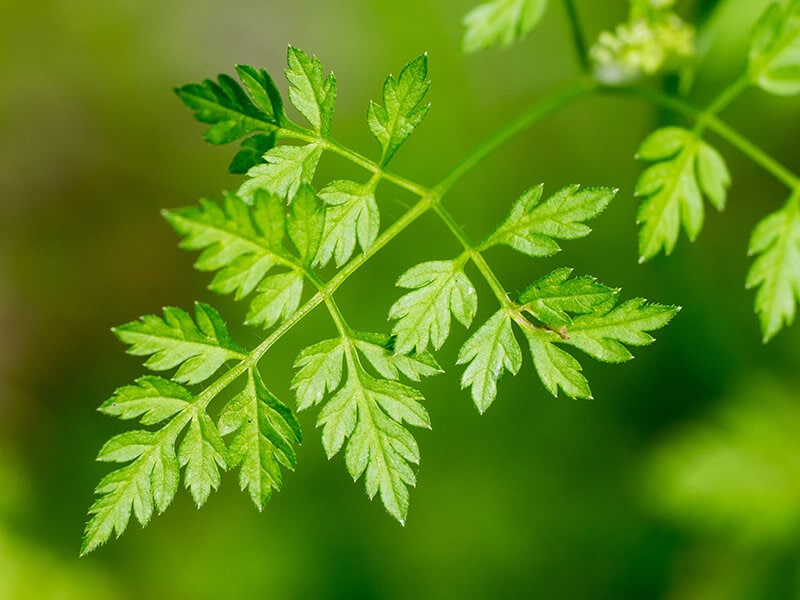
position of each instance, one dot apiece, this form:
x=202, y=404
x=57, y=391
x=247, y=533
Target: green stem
x=714, y=124
x=728, y=95
x=578, y=39
x=524, y=121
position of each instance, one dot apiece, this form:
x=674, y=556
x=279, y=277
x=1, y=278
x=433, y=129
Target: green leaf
x=319, y=371
x=147, y=484
x=263, y=431
x=232, y=114
x=371, y=412
x=379, y=350
x=423, y=315
x=402, y=109
x=310, y=91
x=603, y=335
x=202, y=452
x=533, y=226
x=500, y=22
x=685, y=168
x=285, y=169
x=305, y=224
x=198, y=348
x=551, y=297
x=775, y=49
x=276, y=299
x=154, y=399
x=352, y=214
x=244, y=243
x=487, y=353
x=555, y=367
x=776, y=270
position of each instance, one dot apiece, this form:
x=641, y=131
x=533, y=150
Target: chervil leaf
x=685, y=168
x=305, y=224
x=775, y=49
x=403, y=111
x=371, y=412
x=310, y=91
x=602, y=335
x=423, y=315
x=149, y=483
x=500, y=22
x=602, y=331
x=551, y=297
x=202, y=453
x=555, y=367
x=154, y=399
x=263, y=431
x=232, y=114
x=352, y=214
x=776, y=271
x=175, y=340
x=319, y=371
x=487, y=353
x=285, y=169
x=533, y=226
x=244, y=243
x=379, y=350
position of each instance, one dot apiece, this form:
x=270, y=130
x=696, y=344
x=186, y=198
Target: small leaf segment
x=685, y=168
x=267, y=244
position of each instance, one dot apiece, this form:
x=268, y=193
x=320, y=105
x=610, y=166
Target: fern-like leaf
x=553, y=297
x=685, y=169
x=351, y=215
x=440, y=288
x=775, y=49
x=197, y=347
x=533, y=225
x=776, y=271
x=311, y=93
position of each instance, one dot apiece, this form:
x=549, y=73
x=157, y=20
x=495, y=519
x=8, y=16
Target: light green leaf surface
x=776, y=270
x=154, y=399
x=775, y=49
x=311, y=93
x=685, y=169
x=533, y=225
x=402, y=109
x=500, y=22
x=262, y=431
x=202, y=453
x=550, y=298
x=491, y=350
x=285, y=169
x=351, y=215
x=197, y=347
x=440, y=288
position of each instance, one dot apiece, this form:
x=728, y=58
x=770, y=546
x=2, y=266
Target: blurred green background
x=680, y=481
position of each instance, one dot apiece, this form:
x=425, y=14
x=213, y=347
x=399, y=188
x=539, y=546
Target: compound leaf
x=556, y=367
x=351, y=215
x=491, y=350
x=379, y=350
x=684, y=169
x=262, y=431
x=500, y=22
x=310, y=91
x=319, y=371
x=776, y=271
x=774, y=63
x=402, y=109
x=197, y=347
x=440, y=288
x=533, y=226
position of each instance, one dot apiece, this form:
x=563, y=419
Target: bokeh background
x=680, y=481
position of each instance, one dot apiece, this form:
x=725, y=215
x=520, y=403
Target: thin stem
x=728, y=95
x=737, y=140
x=578, y=39
x=524, y=121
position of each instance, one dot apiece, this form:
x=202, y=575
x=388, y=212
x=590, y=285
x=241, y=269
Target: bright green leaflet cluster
x=683, y=167
x=267, y=242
